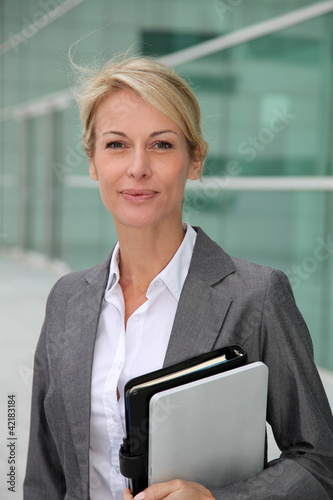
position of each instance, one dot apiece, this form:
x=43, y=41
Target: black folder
x=133, y=454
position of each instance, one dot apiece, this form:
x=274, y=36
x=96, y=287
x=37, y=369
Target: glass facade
x=267, y=115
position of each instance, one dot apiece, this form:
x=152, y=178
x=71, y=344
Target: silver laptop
x=211, y=431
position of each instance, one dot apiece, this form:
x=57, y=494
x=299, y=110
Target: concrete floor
x=24, y=286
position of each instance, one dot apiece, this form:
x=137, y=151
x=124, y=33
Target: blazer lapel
x=202, y=308
x=81, y=328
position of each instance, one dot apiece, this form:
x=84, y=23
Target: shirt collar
x=114, y=271
x=173, y=275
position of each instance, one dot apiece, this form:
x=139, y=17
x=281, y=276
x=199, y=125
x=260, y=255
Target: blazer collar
x=210, y=263
x=202, y=307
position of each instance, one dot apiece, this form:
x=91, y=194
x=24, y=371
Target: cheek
x=107, y=183
x=107, y=171
x=109, y=198
x=107, y=189
x=176, y=184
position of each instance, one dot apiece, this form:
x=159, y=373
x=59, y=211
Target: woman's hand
x=172, y=490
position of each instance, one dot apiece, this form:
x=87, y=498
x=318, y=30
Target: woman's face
x=141, y=161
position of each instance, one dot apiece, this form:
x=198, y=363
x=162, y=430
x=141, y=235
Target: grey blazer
x=224, y=300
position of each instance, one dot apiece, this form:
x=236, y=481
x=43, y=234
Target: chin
x=136, y=222
x=147, y=218
x=141, y=223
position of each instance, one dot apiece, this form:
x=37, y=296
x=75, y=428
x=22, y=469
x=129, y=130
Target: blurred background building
x=262, y=72
x=266, y=99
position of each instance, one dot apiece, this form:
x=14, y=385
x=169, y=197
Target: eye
x=114, y=145
x=163, y=145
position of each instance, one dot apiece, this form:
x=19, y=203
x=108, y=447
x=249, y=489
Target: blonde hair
x=156, y=84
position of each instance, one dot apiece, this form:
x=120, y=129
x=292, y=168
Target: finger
x=158, y=491
x=127, y=495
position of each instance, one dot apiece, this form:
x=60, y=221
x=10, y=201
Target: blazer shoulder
x=273, y=282
x=75, y=281
x=212, y=263
x=252, y=269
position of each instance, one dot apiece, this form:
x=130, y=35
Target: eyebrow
x=154, y=134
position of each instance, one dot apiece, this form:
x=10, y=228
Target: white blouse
x=123, y=353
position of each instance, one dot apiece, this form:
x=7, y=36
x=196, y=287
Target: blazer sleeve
x=298, y=409
x=44, y=474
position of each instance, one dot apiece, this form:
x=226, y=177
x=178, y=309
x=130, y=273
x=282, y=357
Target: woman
x=165, y=293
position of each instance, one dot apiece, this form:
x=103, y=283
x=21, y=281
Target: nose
x=139, y=164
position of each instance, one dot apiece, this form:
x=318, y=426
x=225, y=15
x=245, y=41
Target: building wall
x=266, y=107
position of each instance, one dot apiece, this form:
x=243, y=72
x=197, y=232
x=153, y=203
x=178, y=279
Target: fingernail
x=140, y=496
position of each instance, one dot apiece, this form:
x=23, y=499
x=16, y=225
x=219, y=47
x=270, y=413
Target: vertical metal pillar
x=49, y=191
x=22, y=156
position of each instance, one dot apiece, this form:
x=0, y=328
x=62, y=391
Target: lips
x=138, y=195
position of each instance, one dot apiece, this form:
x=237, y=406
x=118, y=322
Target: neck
x=144, y=252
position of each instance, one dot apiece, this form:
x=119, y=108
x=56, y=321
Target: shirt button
x=114, y=418
x=136, y=317
x=156, y=284
x=117, y=470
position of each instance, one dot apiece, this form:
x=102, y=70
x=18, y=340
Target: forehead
x=125, y=109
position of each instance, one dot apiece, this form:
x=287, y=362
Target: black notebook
x=133, y=453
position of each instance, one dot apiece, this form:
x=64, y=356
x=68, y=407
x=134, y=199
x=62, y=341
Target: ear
x=93, y=170
x=194, y=170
